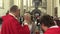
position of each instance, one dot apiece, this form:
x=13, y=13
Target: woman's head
x=27, y=16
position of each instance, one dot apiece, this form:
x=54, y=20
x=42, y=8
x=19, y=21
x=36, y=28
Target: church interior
x=50, y=7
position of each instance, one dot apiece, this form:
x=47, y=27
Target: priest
x=11, y=25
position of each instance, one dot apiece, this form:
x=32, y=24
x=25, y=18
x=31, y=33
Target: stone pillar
x=29, y=5
x=11, y=3
x=50, y=7
x=21, y=7
x=16, y=2
x=58, y=8
x=53, y=12
x=26, y=5
x=56, y=5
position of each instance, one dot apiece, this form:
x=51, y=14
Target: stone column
x=29, y=5
x=16, y=2
x=21, y=7
x=53, y=9
x=26, y=5
x=50, y=7
x=11, y=3
x=58, y=8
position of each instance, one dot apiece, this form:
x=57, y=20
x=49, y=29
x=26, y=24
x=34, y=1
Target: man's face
x=42, y=26
x=18, y=12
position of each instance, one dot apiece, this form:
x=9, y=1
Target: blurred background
x=50, y=7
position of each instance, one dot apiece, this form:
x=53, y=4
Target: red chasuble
x=53, y=30
x=10, y=25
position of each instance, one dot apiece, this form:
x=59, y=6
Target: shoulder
x=48, y=32
x=7, y=18
x=52, y=31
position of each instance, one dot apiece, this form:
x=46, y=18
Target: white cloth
x=13, y=15
x=29, y=25
x=54, y=26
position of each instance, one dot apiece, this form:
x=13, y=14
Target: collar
x=54, y=26
x=13, y=15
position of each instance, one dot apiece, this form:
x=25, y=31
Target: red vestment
x=10, y=25
x=53, y=31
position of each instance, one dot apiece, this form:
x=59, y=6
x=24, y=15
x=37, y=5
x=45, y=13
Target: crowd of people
x=11, y=23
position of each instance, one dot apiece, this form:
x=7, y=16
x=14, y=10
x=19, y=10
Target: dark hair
x=58, y=22
x=47, y=20
x=13, y=8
